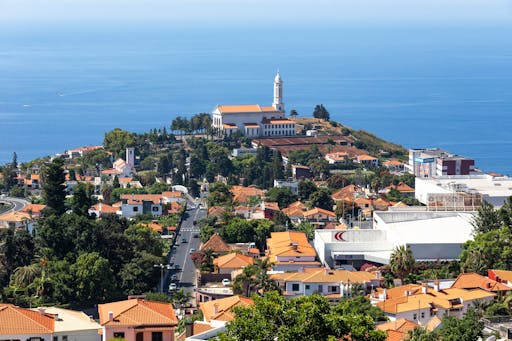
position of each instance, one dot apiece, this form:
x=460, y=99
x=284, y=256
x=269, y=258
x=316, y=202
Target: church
x=254, y=120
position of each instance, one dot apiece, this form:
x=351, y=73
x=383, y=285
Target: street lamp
x=162, y=266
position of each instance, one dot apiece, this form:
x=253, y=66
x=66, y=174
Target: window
x=415, y=316
x=423, y=315
x=333, y=288
x=295, y=287
x=155, y=209
x=156, y=336
x=139, y=337
x=307, y=286
x=64, y=338
x=320, y=288
x=55, y=338
x=119, y=335
x=135, y=209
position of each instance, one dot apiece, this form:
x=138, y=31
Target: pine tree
x=54, y=190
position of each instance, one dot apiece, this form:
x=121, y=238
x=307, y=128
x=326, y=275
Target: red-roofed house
x=230, y=262
x=45, y=324
x=254, y=120
x=394, y=166
x=473, y=280
x=319, y=216
x=138, y=320
x=367, y=160
x=100, y=209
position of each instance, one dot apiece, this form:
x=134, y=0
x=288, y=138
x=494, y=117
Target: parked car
x=196, y=235
x=226, y=282
x=173, y=287
x=183, y=240
x=192, y=251
x=174, y=278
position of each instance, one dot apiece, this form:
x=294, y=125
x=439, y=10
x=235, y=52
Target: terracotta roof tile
x=19, y=321
x=216, y=244
x=233, y=260
x=136, y=312
x=318, y=210
x=221, y=309
x=472, y=280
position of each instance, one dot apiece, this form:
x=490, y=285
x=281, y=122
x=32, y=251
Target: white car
x=192, y=251
x=226, y=282
x=172, y=286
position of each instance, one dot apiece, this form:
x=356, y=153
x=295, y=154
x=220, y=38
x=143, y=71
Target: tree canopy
x=274, y=317
x=321, y=112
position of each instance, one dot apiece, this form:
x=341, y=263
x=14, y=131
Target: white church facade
x=254, y=120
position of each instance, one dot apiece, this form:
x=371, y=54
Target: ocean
x=447, y=86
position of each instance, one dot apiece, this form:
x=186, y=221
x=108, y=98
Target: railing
x=496, y=319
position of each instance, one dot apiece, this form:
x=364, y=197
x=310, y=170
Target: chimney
x=111, y=316
x=41, y=310
x=488, y=285
x=424, y=288
x=189, y=329
x=215, y=308
x=56, y=317
x=294, y=245
x=436, y=286
x=407, y=293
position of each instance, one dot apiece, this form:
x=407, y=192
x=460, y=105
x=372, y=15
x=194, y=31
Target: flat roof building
x=459, y=191
x=435, y=162
x=431, y=236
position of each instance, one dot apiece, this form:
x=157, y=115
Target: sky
x=226, y=12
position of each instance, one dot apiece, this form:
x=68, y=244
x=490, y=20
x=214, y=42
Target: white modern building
x=293, y=185
x=463, y=191
x=431, y=236
x=254, y=120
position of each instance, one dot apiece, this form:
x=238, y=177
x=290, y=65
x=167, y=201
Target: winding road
x=17, y=204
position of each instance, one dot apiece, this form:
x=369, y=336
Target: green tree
x=139, y=275
x=118, y=140
x=401, y=261
x=322, y=199
x=307, y=228
x=54, y=190
x=294, y=113
x=219, y=195
x=467, y=328
x=82, y=199
x=487, y=219
x=306, y=188
x=94, y=279
x=283, y=196
x=274, y=317
x=321, y=112
x=489, y=250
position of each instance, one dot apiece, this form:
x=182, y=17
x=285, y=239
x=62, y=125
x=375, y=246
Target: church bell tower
x=278, y=93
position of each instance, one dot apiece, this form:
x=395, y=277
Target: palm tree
x=23, y=276
x=180, y=298
x=294, y=113
x=402, y=261
x=263, y=281
x=254, y=278
x=245, y=282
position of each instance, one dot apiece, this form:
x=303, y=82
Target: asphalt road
x=17, y=203
x=180, y=254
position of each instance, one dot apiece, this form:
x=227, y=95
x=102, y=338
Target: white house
x=133, y=204
x=254, y=120
x=421, y=305
x=338, y=283
x=48, y=324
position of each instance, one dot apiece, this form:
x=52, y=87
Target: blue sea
x=447, y=86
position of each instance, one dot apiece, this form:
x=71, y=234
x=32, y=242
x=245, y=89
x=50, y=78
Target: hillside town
x=254, y=224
